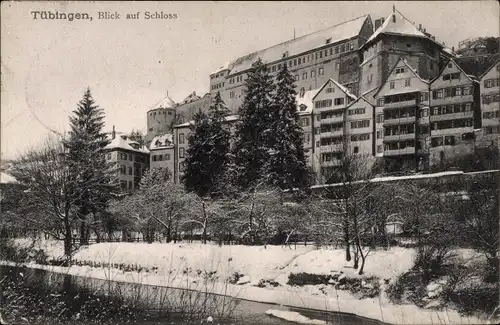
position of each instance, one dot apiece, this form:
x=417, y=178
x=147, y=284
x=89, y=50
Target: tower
x=160, y=118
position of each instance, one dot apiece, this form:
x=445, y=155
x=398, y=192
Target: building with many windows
x=161, y=152
x=455, y=113
x=131, y=158
x=313, y=59
x=402, y=109
x=490, y=102
x=305, y=110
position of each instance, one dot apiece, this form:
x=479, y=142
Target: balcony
x=406, y=103
x=452, y=131
x=423, y=120
x=400, y=152
x=452, y=116
x=398, y=137
x=452, y=100
x=331, y=134
x=330, y=120
x=332, y=148
x=331, y=163
x=400, y=120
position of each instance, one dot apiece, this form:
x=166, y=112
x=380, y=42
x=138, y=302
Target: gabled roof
x=362, y=97
x=334, y=34
x=477, y=65
x=307, y=100
x=7, y=178
x=469, y=76
x=190, y=98
x=491, y=67
x=399, y=26
x=166, y=102
x=121, y=141
x=344, y=89
x=401, y=59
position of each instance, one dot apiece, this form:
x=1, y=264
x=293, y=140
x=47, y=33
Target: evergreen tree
x=94, y=176
x=197, y=176
x=207, y=154
x=287, y=165
x=251, y=148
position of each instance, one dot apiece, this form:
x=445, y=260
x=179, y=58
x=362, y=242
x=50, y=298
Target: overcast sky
x=131, y=64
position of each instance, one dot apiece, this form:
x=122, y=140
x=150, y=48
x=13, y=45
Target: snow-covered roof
x=222, y=68
x=166, y=102
x=397, y=24
x=307, y=101
x=397, y=91
x=342, y=88
x=7, y=179
x=121, y=141
x=334, y=34
x=190, y=98
x=161, y=141
x=229, y=118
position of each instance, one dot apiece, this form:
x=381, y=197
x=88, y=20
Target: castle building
x=131, y=158
x=160, y=118
x=313, y=59
x=398, y=37
x=192, y=104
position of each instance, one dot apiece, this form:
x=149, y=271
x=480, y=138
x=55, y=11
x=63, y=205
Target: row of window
x=330, y=114
x=356, y=111
x=360, y=124
x=399, y=145
x=217, y=75
x=452, y=92
x=360, y=137
x=399, y=113
x=450, y=109
x=334, y=141
x=318, y=55
x=304, y=122
x=490, y=83
x=392, y=84
x=491, y=129
x=160, y=113
x=491, y=115
x=451, y=76
x=161, y=157
x=217, y=86
x=328, y=102
x=400, y=129
x=439, y=141
x=451, y=124
x=331, y=127
x=321, y=72
x=424, y=96
x=487, y=99
x=237, y=79
x=129, y=157
x=124, y=186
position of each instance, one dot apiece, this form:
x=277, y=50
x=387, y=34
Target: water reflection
x=44, y=297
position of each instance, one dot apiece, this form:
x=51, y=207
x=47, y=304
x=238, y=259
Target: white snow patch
x=292, y=316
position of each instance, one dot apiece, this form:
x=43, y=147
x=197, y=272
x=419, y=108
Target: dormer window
x=328, y=40
x=450, y=65
x=285, y=54
x=302, y=107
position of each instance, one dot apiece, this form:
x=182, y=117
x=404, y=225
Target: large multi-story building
x=490, y=102
x=192, y=104
x=402, y=109
x=313, y=59
x=398, y=37
x=305, y=109
x=161, y=152
x=160, y=118
x=455, y=113
x=131, y=158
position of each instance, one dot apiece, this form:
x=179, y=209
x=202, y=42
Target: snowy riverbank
x=176, y=265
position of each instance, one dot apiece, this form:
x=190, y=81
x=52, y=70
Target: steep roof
x=190, y=98
x=337, y=33
x=477, y=65
x=121, y=141
x=397, y=91
x=166, y=102
x=307, y=100
x=7, y=179
x=344, y=89
x=397, y=24
x=161, y=141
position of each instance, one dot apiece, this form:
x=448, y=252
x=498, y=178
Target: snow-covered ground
x=256, y=263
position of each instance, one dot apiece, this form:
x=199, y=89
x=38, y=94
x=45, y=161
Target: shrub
x=300, y=279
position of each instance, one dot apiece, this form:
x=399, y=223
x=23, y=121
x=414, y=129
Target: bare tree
x=48, y=203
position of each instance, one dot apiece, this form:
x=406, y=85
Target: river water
x=116, y=303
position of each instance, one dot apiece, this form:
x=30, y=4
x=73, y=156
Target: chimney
x=453, y=48
x=113, y=134
x=419, y=26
